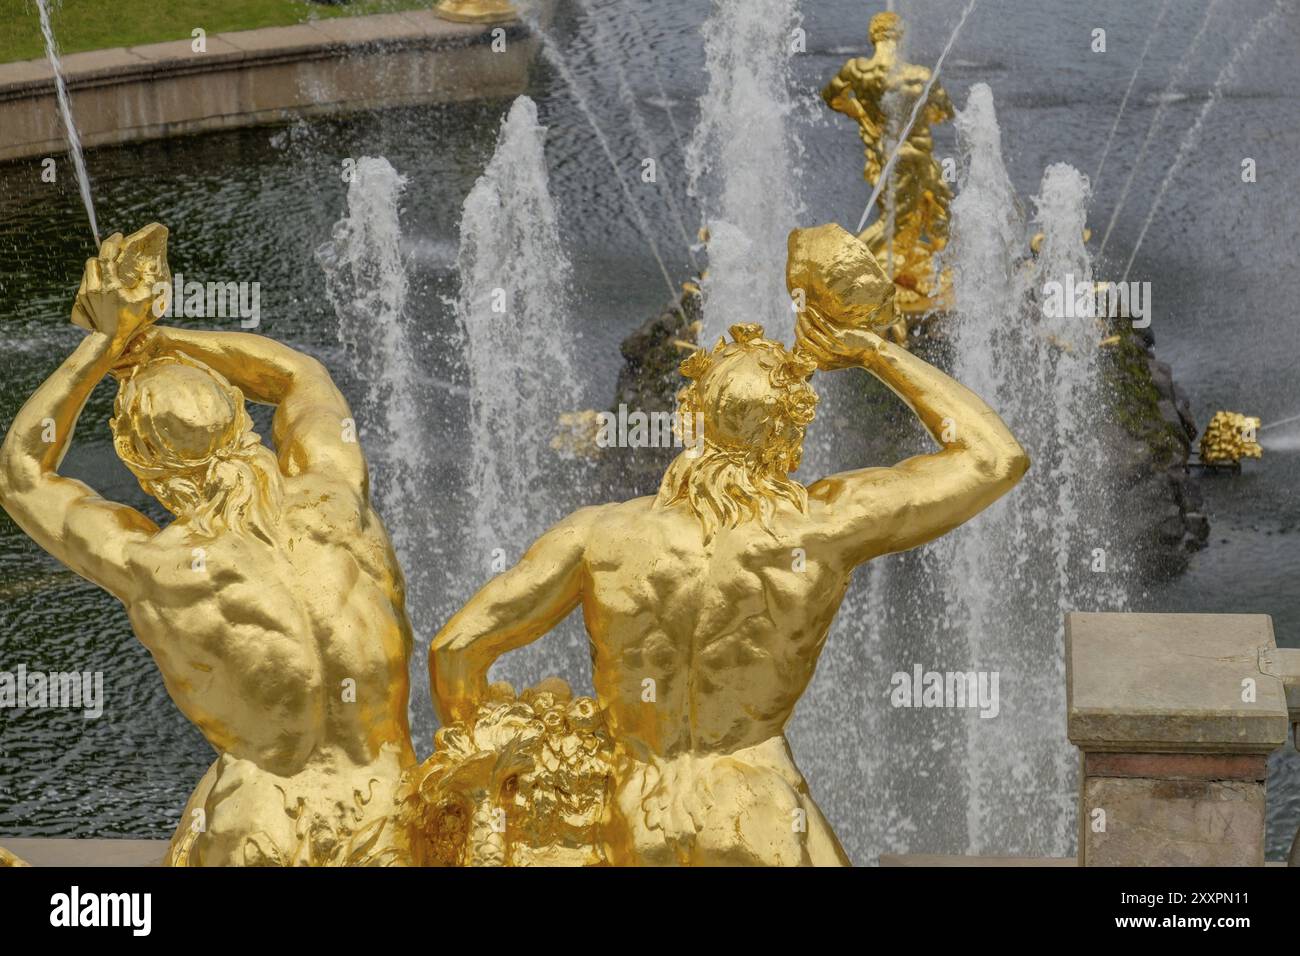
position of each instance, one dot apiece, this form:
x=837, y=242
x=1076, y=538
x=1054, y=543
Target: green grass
x=96, y=24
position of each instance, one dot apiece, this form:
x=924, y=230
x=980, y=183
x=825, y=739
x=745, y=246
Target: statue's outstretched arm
x=65, y=516
x=314, y=430
x=881, y=510
x=513, y=609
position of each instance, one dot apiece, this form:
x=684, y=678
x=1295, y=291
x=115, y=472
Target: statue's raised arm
x=876, y=511
x=272, y=602
x=66, y=517
x=706, y=606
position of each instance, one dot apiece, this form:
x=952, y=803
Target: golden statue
x=880, y=93
x=708, y=604
x=272, y=603
x=477, y=11
x=1230, y=437
x=7, y=859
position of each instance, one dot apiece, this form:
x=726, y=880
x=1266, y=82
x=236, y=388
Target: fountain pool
x=257, y=204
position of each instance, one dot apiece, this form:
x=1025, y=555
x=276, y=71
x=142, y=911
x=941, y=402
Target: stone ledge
x=51, y=851
x=303, y=41
x=1162, y=683
x=255, y=77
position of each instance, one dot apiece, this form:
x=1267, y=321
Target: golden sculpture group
x=880, y=94
x=273, y=603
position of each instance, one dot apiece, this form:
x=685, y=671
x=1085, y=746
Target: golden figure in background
x=708, y=604
x=880, y=93
x=1230, y=437
x=477, y=11
x=272, y=603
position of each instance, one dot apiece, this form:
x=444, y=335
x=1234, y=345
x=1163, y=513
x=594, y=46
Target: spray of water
x=1192, y=137
x=911, y=120
x=604, y=41
x=366, y=283
x=1128, y=91
x=744, y=161
x=1281, y=421
x=554, y=56
x=989, y=282
x=1184, y=63
x=70, y=127
x=514, y=304
x=643, y=43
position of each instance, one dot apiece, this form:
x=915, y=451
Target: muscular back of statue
x=272, y=603
x=708, y=604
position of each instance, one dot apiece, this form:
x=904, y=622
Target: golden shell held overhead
x=832, y=271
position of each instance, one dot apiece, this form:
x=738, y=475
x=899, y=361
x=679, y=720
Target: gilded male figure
x=272, y=602
x=880, y=93
x=707, y=605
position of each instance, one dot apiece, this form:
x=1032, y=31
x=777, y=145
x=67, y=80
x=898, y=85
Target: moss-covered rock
x=1150, y=444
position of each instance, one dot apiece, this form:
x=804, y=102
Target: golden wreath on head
x=796, y=366
x=793, y=368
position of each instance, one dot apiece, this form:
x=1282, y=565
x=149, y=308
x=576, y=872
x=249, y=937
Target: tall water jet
x=366, y=283
x=744, y=164
x=514, y=304
x=989, y=597
x=69, y=126
x=923, y=605
x=1013, y=572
